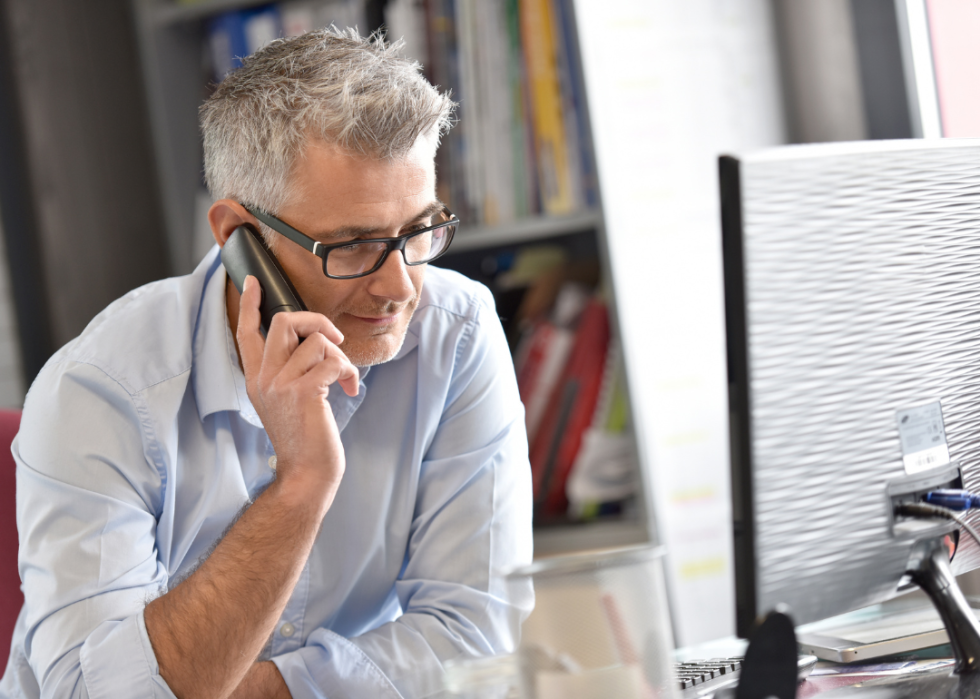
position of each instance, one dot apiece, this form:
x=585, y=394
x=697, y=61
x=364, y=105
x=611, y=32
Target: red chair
x=11, y=598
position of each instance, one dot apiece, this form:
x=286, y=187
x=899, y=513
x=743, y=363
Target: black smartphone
x=245, y=253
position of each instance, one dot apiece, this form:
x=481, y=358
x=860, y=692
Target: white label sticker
x=923, y=437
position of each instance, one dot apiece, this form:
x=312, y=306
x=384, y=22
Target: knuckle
x=315, y=349
x=277, y=322
x=267, y=381
x=319, y=341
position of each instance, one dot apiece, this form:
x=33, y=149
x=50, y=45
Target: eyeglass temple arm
x=285, y=229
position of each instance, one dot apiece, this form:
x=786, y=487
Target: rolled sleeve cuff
x=330, y=666
x=117, y=659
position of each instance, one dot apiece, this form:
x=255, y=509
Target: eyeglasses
x=358, y=258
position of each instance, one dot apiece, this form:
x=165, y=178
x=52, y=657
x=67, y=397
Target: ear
x=225, y=215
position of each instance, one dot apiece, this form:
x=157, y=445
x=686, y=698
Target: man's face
x=336, y=197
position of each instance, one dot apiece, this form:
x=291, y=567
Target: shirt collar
x=410, y=343
x=412, y=333
x=216, y=386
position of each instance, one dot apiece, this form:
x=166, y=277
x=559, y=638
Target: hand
x=288, y=383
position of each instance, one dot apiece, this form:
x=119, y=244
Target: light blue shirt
x=139, y=446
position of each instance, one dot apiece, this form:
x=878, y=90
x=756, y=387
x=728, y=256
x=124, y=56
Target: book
x=472, y=108
x=569, y=412
x=573, y=107
x=405, y=21
x=538, y=38
x=238, y=33
x=443, y=72
x=605, y=469
x=524, y=173
x=519, y=147
x=302, y=16
x=298, y=17
x=541, y=360
x=492, y=62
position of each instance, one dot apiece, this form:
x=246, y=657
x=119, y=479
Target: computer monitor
x=852, y=278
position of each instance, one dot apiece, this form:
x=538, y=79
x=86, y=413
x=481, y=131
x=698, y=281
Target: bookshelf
x=174, y=41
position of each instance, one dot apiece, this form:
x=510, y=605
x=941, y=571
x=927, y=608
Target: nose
x=392, y=280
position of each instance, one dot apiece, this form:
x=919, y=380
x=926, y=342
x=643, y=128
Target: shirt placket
x=290, y=630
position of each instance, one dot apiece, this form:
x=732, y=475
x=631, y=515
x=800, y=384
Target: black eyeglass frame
x=321, y=250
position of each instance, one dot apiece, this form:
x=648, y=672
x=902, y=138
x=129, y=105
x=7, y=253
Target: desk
x=824, y=679
x=819, y=683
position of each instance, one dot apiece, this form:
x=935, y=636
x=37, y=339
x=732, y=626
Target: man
x=205, y=511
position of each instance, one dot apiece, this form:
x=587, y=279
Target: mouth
x=377, y=321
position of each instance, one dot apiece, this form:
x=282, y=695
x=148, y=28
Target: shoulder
x=455, y=315
x=449, y=293
x=142, y=339
x=457, y=328
x=464, y=365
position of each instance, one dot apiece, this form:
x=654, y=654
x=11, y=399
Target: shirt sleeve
x=472, y=526
x=87, y=504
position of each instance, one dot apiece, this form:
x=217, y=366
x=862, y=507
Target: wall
x=89, y=195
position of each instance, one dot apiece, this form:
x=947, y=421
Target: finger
x=315, y=350
x=350, y=378
x=334, y=369
x=286, y=330
x=251, y=344
x=306, y=323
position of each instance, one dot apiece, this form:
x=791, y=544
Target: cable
x=924, y=509
x=953, y=499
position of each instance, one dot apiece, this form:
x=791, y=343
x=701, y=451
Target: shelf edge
x=525, y=230
x=587, y=537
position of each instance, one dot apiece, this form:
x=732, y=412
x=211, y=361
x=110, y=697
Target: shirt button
x=272, y=462
x=287, y=629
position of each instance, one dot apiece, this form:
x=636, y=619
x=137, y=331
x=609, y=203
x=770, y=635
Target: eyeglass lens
x=362, y=257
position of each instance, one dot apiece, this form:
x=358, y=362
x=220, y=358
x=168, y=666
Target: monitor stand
x=929, y=569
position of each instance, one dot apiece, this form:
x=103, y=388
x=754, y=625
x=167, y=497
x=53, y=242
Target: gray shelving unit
x=172, y=39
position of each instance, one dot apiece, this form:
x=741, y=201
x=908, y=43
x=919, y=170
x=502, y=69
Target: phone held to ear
x=245, y=253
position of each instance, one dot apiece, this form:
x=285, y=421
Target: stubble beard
x=374, y=350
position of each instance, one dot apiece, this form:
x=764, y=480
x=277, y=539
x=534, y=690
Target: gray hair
x=355, y=92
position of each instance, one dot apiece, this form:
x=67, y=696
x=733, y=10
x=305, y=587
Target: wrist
x=302, y=495
x=263, y=681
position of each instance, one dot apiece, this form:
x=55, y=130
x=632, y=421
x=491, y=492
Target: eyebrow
x=359, y=231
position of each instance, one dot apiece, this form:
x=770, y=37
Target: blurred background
x=583, y=169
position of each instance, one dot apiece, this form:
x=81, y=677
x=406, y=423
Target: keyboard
x=702, y=678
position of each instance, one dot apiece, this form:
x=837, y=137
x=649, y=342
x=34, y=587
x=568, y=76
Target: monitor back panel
x=860, y=296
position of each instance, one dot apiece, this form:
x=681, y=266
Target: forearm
x=262, y=681
x=405, y=657
x=207, y=632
